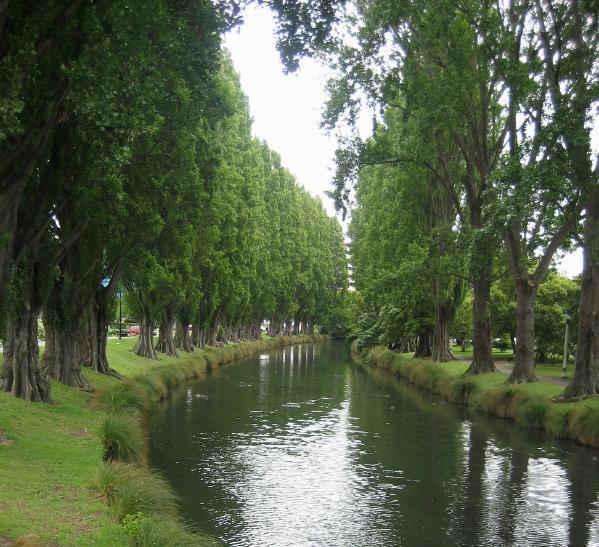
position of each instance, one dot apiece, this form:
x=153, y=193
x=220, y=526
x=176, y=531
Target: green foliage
x=531, y=412
x=145, y=531
x=122, y=438
x=584, y=424
x=131, y=489
x=124, y=396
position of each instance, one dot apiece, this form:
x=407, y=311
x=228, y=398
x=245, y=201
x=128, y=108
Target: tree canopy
x=127, y=161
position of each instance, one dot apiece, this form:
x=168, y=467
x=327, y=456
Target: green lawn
x=46, y=470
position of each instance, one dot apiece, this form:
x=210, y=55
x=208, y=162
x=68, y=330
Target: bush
x=155, y=386
x=499, y=401
x=131, y=489
x=557, y=421
x=122, y=438
x=153, y=531
x=124, y=395
x=584, y=424
x=460, y=390
x=531, y=411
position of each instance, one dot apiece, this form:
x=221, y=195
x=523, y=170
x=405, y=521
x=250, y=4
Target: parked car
x=134, y=330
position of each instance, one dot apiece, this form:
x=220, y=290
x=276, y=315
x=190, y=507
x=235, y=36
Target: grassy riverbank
x=530, y=405
x=54, y=487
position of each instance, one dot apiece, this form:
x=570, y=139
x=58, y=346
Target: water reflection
x=297, y=447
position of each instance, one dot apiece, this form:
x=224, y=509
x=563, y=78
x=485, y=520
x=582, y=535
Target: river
x=297, y=446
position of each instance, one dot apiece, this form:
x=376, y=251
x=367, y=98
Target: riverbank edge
x=530, y=405
x=131, y=400
x=55, y=488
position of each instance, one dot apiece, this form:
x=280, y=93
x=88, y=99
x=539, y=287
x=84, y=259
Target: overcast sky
x=286, y=109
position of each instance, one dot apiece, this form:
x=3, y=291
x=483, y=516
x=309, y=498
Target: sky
x=286, y=109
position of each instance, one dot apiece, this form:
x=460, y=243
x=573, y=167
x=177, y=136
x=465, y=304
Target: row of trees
x=482, y=157
x=127, y=161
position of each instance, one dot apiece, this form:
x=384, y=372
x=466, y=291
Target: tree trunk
x=211, y=336
x=61, y=357
x=21, y=374
x=441, y=350
x=144, y=346
x=482, y=357
x=423, y=349
x=166, y=342
x=8, y=221
x=524, y=362
x=97, y=339
x=585, y=381
x=196, y=335
x=182, y=337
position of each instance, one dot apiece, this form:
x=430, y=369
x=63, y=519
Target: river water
x=298, y=446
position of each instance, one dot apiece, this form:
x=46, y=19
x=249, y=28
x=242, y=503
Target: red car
x=134, y=330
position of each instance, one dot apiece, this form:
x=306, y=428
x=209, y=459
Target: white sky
x=286, y=109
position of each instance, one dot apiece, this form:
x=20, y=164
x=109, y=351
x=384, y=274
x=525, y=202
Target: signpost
x=566, y=352
x=119, y=293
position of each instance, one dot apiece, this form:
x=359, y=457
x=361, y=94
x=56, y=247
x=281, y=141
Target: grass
x=531, y=405
x=552, y=370
x=45, y=474
x=122, y=438
x=49, y=453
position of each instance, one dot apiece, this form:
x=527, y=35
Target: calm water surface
x=298, y=447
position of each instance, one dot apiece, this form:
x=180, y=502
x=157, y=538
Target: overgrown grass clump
x=131, y=489
x=122, y=438
x=146, y=506
x=530, y=405
x=584, y=424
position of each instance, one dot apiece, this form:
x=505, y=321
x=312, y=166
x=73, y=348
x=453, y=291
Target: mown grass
x=552, y=370
x=52, y=452
x=531, y=405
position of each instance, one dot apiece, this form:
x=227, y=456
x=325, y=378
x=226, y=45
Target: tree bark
x=482, y=357
x=524, y=362
x=211, y=336
x=441, y=350
x=197, y=335
x=144, y=346
x=61, y=358
x=21, y=374
x=585, y=381
x=423, y=349
x=166, y=342
x=96, y=339
x=183, y=339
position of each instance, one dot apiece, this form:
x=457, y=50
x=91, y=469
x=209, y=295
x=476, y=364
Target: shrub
x=499, y=401
x=123, y=395
x=155, y=386
x=460, y=390
x=131, y=489
x=557, y=421
x=122, y=438
x=153, y=531
x=531, y=411
x=584, y=424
